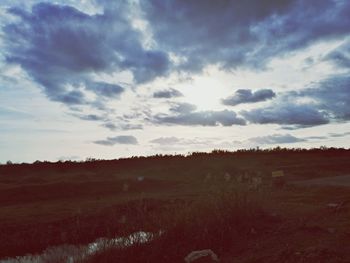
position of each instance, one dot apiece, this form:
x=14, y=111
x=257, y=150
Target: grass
x=219, y=219
x=50, y=204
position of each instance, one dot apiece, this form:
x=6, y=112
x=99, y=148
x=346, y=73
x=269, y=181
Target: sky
x=109, y=79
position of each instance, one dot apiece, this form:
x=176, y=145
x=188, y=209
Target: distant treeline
x=93, y=162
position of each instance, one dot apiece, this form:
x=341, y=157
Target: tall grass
x=221, y=218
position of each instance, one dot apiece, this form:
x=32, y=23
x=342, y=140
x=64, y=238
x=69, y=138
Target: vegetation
x=190, y=199
x=217, y=219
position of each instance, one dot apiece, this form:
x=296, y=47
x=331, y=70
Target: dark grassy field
x=188, y=198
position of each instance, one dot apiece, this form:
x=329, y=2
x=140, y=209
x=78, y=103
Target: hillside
x=197, y=201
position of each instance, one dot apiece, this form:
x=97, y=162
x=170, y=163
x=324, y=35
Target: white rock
x=194, y=255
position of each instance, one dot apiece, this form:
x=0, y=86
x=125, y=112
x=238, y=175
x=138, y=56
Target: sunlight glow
x=206, y=92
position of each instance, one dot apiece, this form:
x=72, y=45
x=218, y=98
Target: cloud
x=90, y=117
x=167, y=94
x=113, y=124
x=59, y=45
x=172, y=143
x=183, y=107
x=124, y=139
x=110, y=126
x=276, y=139
x=331, y=95
x=124, y=126
x=327, y=101
x=66, y=50
x=74, y=97
x=166, y=140
x=182, y=144
x=130, y=126
x=336, y=135
x=286, y=113
x=61, y=48
x=316, y=138
x=105, y=89
x=201, y=118
x=340, y=56
x=247, y=96
x=242, y=34
x=11, y=113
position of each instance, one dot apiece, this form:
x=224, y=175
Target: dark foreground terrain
x=200, y=201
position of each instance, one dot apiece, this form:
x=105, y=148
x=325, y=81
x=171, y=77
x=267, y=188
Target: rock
x=333, y=205
x=140, y=178
x=206, y=255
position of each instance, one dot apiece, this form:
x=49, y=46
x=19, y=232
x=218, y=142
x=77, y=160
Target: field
x=194, y=202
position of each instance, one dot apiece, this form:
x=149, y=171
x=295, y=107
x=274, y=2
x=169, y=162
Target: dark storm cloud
x=124, y=139
x=167, y=94
x=60, y=46
x=202, y=118
x=276, y=139
x=235, y=33
x=247, y=96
